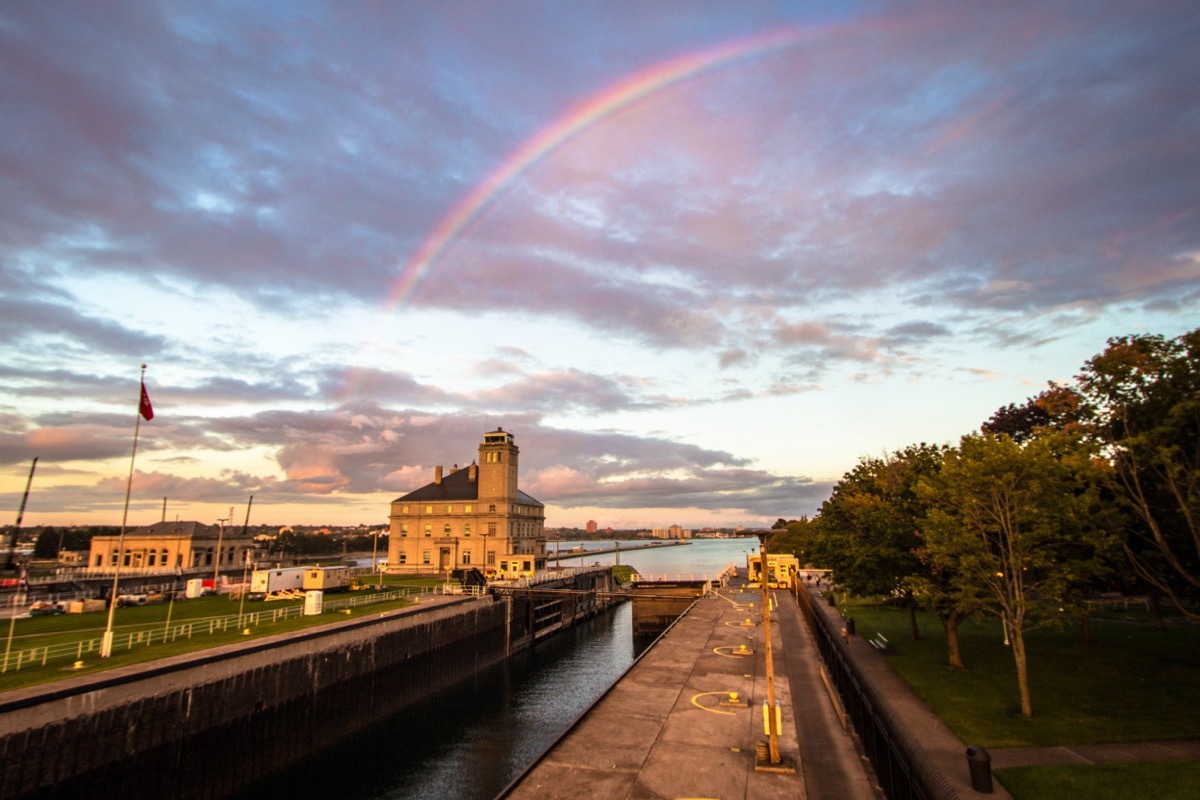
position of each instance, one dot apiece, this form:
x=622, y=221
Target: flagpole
x=106, y=641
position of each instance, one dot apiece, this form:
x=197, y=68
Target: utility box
x=312, y=603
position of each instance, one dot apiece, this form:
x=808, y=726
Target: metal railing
x=187, y=629
x=904, y=770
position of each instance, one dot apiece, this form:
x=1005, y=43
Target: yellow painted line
x=706, y=708
x=728, y=600
x=736, y=652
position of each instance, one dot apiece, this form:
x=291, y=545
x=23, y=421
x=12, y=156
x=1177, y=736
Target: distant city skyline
x=699, y=257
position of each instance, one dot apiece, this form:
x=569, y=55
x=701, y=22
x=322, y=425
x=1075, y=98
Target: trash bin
x=980, y=765
x=849, y=626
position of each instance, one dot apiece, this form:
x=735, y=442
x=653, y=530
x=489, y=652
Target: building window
x=449, y=509
x=99, y=559
x=404, y=529
x=492, y=508
x=403, y=509
x=428, y=509
x=428, y=530
x=403, y=558
x=425, y=555
x=467, y=509
x=150, y=560
x=491, y=529
x=446, y=529
x=491, y=559
x=466, y=556
x=467, y=529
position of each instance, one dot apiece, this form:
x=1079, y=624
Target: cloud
x=908, y=191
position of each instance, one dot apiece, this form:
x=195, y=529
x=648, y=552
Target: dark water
x=469, y=741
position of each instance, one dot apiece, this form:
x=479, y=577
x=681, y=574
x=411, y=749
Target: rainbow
x=589, y=112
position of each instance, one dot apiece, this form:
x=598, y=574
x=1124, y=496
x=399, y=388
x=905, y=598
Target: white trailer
x=328, y=579
x=281, y=579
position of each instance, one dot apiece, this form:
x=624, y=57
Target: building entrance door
x=444, y=559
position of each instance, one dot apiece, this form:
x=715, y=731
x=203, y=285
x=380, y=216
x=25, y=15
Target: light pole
x=245, y=588
x=770, y=714
x=375, y=560
x=217, y=560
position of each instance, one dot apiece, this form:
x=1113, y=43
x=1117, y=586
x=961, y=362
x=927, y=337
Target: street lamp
x=217, y=560
x=771, y=716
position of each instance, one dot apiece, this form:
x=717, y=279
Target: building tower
x=498, y=469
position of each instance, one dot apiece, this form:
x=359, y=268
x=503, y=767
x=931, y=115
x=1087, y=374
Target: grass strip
x=1162, y=780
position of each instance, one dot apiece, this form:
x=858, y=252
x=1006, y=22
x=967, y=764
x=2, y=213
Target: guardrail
x=186, y=629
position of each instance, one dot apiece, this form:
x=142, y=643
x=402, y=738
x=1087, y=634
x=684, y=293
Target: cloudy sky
x=700, y=257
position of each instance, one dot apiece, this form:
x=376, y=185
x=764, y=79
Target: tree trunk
x=1156, y=609
x=953, y=654
x=1017, y=634
x=913, y=633
x=1085, y=627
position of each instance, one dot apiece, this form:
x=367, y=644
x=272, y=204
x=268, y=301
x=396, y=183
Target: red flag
x=144, y=407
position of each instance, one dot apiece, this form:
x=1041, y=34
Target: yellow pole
x=765, y=580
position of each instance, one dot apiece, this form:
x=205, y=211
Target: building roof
x=196, y=530
x=457, y=486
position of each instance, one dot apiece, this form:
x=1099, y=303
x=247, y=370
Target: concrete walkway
x=668, y=730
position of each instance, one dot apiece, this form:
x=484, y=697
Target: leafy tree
x=51, y=539
x=1058, y=408
x=1018, y=422
x=867, y=530
x=1015, y=524
x=1143, y=397
x=792, y=537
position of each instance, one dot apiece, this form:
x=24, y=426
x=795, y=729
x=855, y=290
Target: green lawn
x=46, y=631
x=1132, y=683
x=1162, y=780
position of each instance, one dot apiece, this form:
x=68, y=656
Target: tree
x=792, y=537
x=1143, y=397
x=1017, y=524
x=1057, y=408
x=867, y=530
x=51, y=540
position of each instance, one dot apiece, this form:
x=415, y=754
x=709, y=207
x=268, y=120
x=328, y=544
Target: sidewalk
x=1069, y=754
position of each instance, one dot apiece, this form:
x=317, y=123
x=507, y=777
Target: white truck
x=266, y=582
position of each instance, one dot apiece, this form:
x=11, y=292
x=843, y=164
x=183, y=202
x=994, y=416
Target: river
x=470, y=740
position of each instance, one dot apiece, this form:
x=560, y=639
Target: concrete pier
x=671, y=728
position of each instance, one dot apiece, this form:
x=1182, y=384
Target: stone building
x=474, y=517
x=165, y=546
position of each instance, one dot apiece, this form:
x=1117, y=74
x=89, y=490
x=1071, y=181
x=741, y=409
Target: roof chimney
x=437, y=474
x=473, y=472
